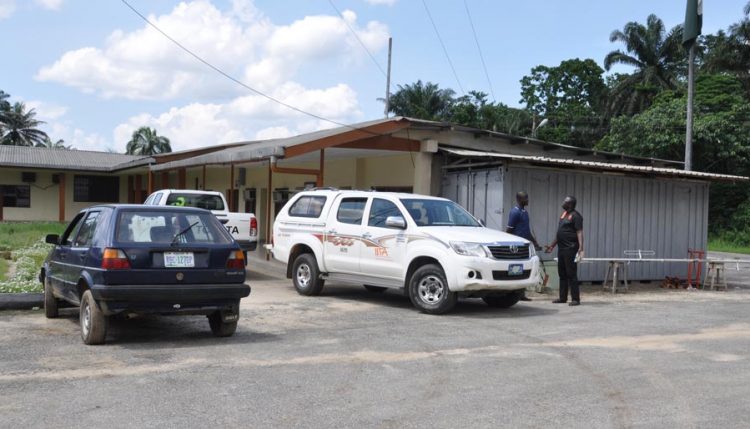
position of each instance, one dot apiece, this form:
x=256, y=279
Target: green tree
x=729, y=52
x=659, y=61
x=721, y=136
x=473, y=110
x=19, y=126
x=49, y=144
x=423, y=101
x=4, y=104
x=571, y=97
x=145, y=141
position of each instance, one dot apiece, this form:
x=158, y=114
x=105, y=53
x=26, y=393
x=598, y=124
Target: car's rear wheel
x=375, y=289
x=50, y=302
x=306, y=275
x=428, y=290
x=93, y=321
x=503, y=301
x=219, y=327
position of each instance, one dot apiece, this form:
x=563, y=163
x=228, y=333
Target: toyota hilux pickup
x=243, y=227
x=429, y=248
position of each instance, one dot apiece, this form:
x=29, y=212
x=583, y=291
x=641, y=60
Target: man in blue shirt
x=518, y=220
x=518, y=223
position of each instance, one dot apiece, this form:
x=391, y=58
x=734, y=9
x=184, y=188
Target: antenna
x=388, y=79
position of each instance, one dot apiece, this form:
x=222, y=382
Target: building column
x=181, y=178
x=61, y=199
x=137, y=197
x=423, y=167
x=165, y=179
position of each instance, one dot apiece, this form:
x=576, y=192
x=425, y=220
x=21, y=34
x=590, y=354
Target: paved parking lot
x=351, y=358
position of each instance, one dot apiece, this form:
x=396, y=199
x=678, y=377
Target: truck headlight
x=532, y=250
x=468, y=249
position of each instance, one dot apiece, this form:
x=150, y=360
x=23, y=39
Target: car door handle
x=82, y=256
x=331, y=231
x=63, y=255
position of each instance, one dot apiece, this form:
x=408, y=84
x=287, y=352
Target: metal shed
x=663, y=212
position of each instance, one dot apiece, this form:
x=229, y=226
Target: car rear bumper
x=162, y=299
x=247, y=245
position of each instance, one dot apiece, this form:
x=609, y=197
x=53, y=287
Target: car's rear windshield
x=426, y=212
x=201, y=201
x=166, y=227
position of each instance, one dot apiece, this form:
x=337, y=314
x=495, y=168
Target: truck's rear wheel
x=306, y=275
x=428, y=290
x=503, y=301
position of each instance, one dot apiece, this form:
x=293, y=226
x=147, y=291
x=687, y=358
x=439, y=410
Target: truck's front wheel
x=306, y=275
x=428, y=290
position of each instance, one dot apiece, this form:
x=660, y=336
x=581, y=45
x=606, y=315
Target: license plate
x=515, y=270
x=179, y=260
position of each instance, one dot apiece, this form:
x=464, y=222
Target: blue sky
x=95, y=72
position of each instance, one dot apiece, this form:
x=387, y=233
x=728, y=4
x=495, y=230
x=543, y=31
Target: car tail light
x=253, y=227
x=236, y=260
x=115, y=259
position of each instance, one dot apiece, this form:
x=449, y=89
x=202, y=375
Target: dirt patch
x=670, y=343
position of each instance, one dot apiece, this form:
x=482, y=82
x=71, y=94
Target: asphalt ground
x=350, y=358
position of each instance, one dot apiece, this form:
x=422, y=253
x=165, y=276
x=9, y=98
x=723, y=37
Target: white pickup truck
x=242, y=226
x=430, y=248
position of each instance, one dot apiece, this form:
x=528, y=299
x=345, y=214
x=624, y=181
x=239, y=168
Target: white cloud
x=143, y=64
x=382, y=2
x=7, y=7
x=245, y=118
x=47, y=111
x=50, y=4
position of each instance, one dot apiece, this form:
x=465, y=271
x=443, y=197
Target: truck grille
x=503, y=275
x=510, y=252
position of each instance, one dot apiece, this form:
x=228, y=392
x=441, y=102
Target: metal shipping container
x=620, y=212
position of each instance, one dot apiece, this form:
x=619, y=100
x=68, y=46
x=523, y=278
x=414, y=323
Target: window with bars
x=96, y=189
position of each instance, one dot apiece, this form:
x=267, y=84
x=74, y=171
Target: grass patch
x=721, y=245
x=25, y=242
x=3, y=269
x=19, y=235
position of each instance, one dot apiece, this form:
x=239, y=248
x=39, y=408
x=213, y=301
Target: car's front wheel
x=503, y=301
x=93, y=321
x=306, y=275
x=50, y=302
x=428, y=290
x=219, y=327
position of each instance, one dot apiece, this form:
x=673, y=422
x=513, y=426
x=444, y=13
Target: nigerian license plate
x=515, y=270
x=179, y=260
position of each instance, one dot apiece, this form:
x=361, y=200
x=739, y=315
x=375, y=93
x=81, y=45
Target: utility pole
x=689, y=127
x=388, y=79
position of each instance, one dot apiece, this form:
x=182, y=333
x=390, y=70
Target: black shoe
x=559, y=301
x=574, y=303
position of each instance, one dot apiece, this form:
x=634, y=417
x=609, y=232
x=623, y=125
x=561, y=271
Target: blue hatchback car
x=115, y=259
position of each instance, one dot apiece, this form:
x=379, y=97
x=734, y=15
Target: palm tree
x=422, y=101
x=19, y=126
x=49, y=144
x=4, y=105
x=657, y=57
x=146, y=142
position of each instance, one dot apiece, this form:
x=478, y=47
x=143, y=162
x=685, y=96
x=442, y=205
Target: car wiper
x=181, y=233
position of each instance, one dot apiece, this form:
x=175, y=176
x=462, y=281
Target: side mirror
x=482, y=222
x=52, y=239
x=395, y=222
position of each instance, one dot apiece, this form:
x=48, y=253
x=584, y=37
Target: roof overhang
x=590, y=165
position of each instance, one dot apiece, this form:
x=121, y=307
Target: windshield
x=438, y=213
x=202, y=201
x=167, y=227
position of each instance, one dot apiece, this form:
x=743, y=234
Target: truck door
x=384, y=248
x=343, y=236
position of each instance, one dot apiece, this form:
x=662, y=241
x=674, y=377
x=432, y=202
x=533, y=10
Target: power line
x=481, y=57
x=372, y=57
x=239, y=82
x=445, y=51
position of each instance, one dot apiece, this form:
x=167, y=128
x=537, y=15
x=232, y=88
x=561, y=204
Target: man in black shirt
x=570, y=251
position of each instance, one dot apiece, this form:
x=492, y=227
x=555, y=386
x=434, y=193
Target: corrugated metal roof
x=61, y=159
x=593, y=165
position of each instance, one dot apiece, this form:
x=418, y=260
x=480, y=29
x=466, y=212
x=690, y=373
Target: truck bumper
x=491, y=275
x=248, y=246
x=169, y=299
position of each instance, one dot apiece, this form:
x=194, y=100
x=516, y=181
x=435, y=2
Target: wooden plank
x=61, y=199
x=164, y=180
x=321, y=172
x=384, y=143
x=131, y=195
x=346, y=137
x=230, y=197
x=181, y=178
